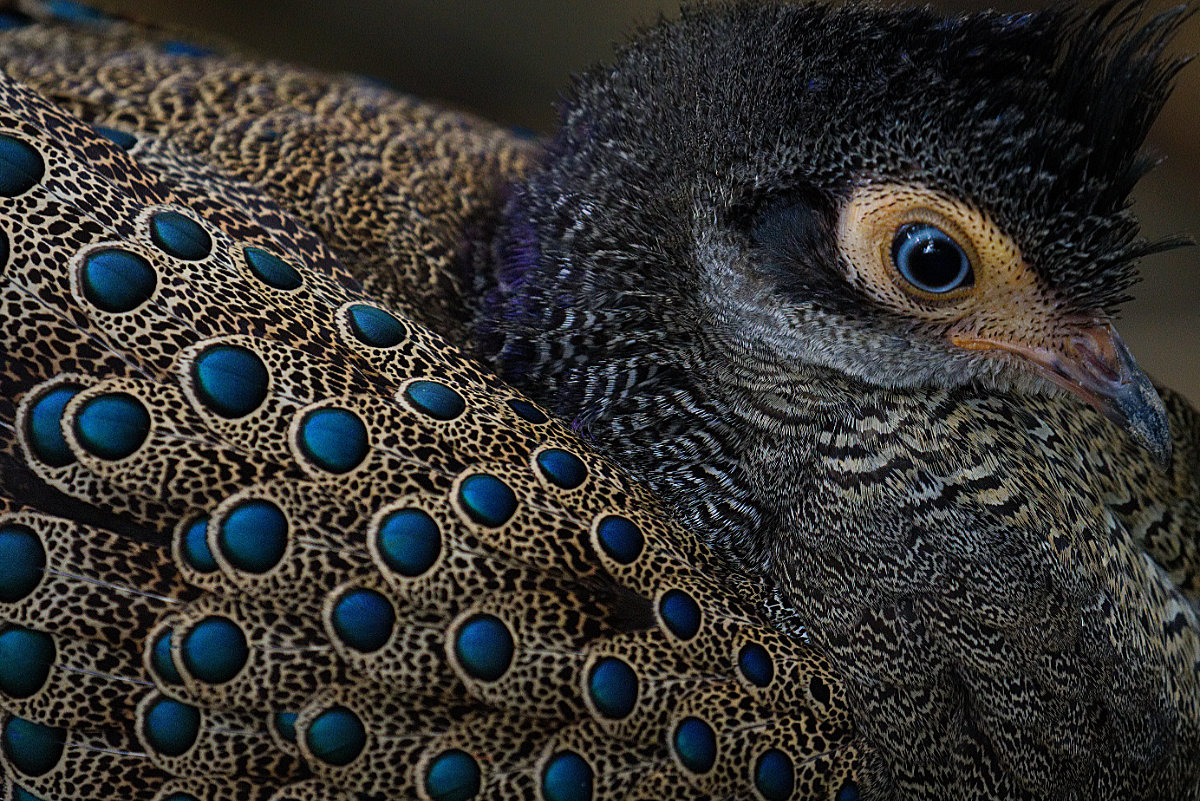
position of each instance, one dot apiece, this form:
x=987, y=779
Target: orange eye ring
x=1000, y=284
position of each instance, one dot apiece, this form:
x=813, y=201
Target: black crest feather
x=1037, y=118
x=1112, y=79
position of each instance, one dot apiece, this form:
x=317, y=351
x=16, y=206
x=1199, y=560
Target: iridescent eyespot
x=929, y=259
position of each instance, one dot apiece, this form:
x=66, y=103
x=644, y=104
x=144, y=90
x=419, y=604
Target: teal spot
x=849, y=792
x=195, y=549
x=409, y=542
x=31, y=748
x=680, y=613
x=121, y=139
x=487, y=500
x=613, y=687
x=112, y=426
x=171, y=728
x=453, y=776
x=45, y=430
x=285, y=724
x=336, y=736
x=696, y=744
x=230, y=380
x=21, y=166
x=621, y=539
x=253, y=536
x=177, y=48
x=435, y=399
x=562, y=468
x=567, y=777
x=334, y=439
x=71, y=11
x=215, y=650
x=271, y=270
x=484, y=647
x=527, y=411
x=161, y=661
x=117, y=281
x=375, y=327
x=22, y=561
x=21, y=794
x=363, y=619
x=26, y=657
x=180, y=236
x=775, y=776
x=756, y=664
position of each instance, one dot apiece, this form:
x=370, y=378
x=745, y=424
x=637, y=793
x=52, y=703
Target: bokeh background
x=507, y=59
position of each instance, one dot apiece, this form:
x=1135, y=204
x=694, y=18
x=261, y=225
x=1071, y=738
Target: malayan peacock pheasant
x=799, y=509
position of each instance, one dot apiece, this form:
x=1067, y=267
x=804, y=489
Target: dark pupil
x=929, y=259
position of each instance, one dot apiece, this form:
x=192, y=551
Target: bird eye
x=930, y=259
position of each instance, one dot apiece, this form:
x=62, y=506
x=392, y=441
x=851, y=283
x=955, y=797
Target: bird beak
x=1094, y=364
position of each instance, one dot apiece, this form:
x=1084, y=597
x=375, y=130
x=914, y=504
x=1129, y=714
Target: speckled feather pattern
x=281, y=538
x=325, y=553
x=1006, y=582
x=389, y=184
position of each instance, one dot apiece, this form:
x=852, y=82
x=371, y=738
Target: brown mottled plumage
x=349, y=185
x=267, y=533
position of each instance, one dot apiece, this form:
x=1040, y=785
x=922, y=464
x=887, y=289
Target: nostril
x=1102, y=354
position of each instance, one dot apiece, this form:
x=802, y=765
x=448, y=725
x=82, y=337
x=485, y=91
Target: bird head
x=902, y=199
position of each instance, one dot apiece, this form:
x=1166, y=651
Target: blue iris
x=930, y=259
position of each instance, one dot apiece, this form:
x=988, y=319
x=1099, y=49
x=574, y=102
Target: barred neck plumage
x=662, y=383
x=678, y=279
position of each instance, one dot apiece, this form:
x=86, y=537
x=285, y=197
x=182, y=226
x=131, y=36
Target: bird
x=762, y=434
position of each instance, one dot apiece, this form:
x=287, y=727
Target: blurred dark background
x=506, y=59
